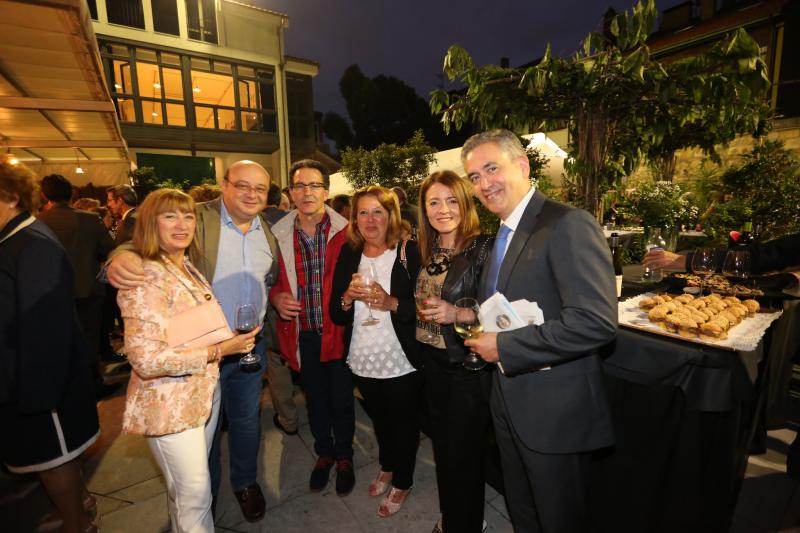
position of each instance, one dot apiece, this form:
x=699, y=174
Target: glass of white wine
x=468, y=326
x=422, y=293
x=369, y=277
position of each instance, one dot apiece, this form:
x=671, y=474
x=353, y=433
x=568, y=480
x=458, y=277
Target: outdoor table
x=684, y=415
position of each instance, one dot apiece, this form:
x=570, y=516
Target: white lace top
x=375, y=351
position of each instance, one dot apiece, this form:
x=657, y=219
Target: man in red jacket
x=309, y=239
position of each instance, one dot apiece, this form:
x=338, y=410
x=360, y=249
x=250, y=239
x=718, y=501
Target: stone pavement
x=132, y=499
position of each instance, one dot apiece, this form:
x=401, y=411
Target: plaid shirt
x=309, y=263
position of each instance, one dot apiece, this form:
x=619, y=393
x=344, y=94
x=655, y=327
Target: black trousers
x=90, y=313
x=544, y=492
x=394, y=405
x=459, y=414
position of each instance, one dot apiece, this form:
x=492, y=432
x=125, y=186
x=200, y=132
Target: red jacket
x=287, y=330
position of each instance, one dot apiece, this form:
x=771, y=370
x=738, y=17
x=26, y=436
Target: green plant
x=145, y=180
x=662, y=203
x=763, y=188
x=619, y=104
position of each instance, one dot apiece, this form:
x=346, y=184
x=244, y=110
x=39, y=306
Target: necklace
x=440, y=261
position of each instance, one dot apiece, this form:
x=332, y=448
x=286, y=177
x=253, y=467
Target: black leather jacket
x=462, y=281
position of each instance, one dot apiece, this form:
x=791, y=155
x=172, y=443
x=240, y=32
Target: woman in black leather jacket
x=453, y=253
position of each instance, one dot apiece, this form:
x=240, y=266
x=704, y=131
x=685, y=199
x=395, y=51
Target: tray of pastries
x=719, y=285
x=714, y=319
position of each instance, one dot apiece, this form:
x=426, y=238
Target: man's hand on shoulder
x=125, y=270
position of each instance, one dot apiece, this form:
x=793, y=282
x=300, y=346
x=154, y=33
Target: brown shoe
x=252, y=502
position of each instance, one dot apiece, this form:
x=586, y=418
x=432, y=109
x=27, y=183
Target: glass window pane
x=204, y=117
x=125, y=12
x=268, y=122
x=249, y=121
x=125, y=110
x=173, y=83
x=214, y=89
x=246, y=71
x=151, y=112
x=225, y=68
x=170, y=59
x=193, y=19
x=247, y=94
x=121, y=81
x=176, y=115
x=201, y=64
x=267, y=95
x=143, y=54
x=266, y=75
x=165, y=16
x=149, y=80
x=209, y=21
x=226, y=118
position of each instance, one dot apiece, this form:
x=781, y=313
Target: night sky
x=408, y=39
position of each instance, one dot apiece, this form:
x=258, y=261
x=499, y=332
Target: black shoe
x=793, y=459
x=280, y=426
x=114, y=357
x=345, y=477
x=319, y=476
x=106, y=389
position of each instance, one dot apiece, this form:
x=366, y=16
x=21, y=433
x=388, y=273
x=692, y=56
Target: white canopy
x=451, y=160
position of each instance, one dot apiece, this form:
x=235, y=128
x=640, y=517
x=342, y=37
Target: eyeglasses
x=243, y=186
x=302, y=186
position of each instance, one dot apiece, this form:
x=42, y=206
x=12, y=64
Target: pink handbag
x=199, y=327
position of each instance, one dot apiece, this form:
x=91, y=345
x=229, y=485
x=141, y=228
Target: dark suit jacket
x=125, y=228
x=87, y=243
x=559, y=259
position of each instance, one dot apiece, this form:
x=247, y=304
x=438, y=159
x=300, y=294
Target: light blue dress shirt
x=243, y=263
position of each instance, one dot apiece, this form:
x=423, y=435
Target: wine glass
x=737, y=264
x=421, y=293
x=704, y=263
x=468, y=326
x=246, y=321
x=369, y=277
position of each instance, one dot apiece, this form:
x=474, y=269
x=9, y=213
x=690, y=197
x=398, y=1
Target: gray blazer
x=558, y=258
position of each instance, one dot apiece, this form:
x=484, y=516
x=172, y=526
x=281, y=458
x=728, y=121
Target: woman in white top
x=380, y=318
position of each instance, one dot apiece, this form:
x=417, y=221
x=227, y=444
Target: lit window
x=149, y=80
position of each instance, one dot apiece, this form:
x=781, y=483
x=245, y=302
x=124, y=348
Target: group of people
x=337, y=303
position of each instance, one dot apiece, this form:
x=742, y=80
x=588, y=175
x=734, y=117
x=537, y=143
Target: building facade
x=199, y=84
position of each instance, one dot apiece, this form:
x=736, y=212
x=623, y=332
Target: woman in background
x=47, y=404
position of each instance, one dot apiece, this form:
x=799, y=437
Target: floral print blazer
x=170, y=389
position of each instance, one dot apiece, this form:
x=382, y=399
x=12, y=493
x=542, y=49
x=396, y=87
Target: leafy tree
x=390, y=165
x=621, y=106
x=382, y=110
x=145, y=180
x=764, y=188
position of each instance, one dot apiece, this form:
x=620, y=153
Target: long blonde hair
x=145, y=233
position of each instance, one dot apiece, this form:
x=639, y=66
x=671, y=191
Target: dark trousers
x=394, y=405
x=110, y=313
x=459, y=416
x=329, y=399
x=90, y=313
x=544, y=492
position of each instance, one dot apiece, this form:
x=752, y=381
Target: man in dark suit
x=548, y=404
x=122, y=202
x=87, y=243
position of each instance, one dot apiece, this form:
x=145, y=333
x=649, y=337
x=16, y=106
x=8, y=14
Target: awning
x=56, y=112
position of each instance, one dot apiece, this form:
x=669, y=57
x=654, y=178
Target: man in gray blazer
x=548, y=404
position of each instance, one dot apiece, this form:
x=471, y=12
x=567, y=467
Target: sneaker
x=345, y=477
x=319, y=476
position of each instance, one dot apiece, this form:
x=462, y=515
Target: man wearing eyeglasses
x=238, y=255
x=310, y=238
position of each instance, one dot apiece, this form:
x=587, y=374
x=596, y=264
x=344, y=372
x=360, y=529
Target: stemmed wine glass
x=422, y=293
x=737, y=264
x=246, y=321
x=369, y=277
x=704, y=263
x=468, y=326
